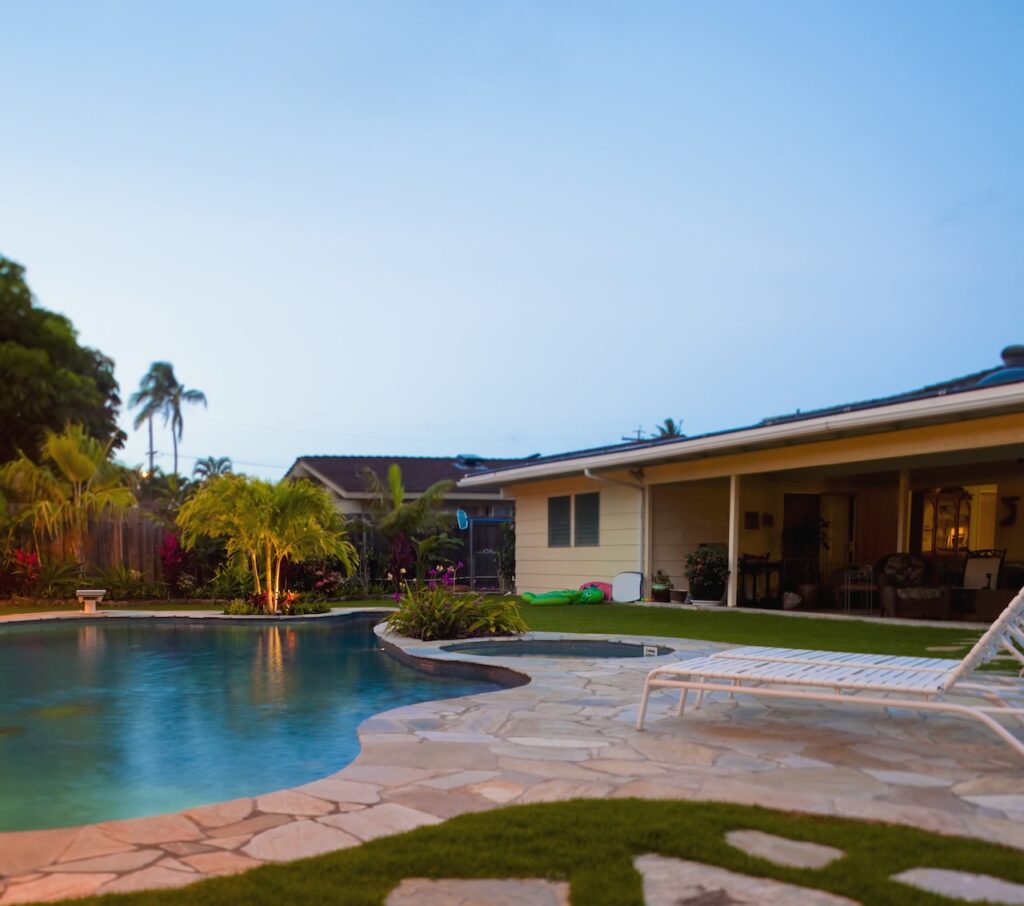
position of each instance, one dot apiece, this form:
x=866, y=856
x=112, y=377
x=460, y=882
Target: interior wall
x=1010, y=537
x=683, y=517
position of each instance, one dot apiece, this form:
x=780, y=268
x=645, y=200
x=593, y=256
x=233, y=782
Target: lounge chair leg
x=681, y=707
x=732, y=694
x=643, y=706
x=700, y=699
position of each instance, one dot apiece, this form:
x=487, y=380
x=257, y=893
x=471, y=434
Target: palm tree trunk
x=271, y=591
x=150, y=420
x=256, y=572
x=174, y=437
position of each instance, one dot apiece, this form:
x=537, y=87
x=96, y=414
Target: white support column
x=902, y=515
x=732, y=594
x=647, y=533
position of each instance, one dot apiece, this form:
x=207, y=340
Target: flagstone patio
x=568, y=733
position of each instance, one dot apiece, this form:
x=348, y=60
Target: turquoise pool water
x=122, y=718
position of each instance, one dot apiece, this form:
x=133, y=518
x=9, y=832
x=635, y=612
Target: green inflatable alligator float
x=566, y=596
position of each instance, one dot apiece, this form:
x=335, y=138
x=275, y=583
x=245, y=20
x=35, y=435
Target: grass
x=591, y=843
x=743, y=628
x=36, y=605
x=751, y=628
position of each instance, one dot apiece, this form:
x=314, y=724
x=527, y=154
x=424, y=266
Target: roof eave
x=950, y=407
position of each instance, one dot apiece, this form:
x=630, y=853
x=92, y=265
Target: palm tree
x=161, y=393
x=669, y=428
x=178, y=395
x=402, y=522
x=211, y=467
x=154, y=389
x=264, y=524
x=75, y=483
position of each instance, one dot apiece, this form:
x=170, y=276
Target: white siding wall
x=540, y=568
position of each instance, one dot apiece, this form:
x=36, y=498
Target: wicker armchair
x=910, y=589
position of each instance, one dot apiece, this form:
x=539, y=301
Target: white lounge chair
x=859, y=679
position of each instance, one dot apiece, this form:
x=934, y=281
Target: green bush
x=290, y=605
x=435, y=611
x=57, y=579
x=124, y=583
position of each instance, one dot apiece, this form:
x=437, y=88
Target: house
x=935, y=471
x=343, y=476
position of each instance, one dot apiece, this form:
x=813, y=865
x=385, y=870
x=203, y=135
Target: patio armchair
x=910, y=588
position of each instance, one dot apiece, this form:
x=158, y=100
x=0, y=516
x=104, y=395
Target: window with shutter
x=559, y=510
x=588, y=520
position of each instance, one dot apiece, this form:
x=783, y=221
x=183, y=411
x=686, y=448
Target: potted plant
x=661, y=587
x=707, y=568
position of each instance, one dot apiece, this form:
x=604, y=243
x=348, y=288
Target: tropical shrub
x=265, y=524
x=74, y=482
x=290, y=604
x=230, y=581
x=707, y=567
x=507, y=555
x=435, y=611
x=413, y=529
x=57, y=578
x=124, y=583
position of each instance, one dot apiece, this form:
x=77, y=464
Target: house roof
x=345, y=473
x=1001, y=387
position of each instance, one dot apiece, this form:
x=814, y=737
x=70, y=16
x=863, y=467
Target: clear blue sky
x=504, y=228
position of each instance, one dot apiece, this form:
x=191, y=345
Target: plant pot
x=707, y=594
x=661, y=593
x=679, y=597
x=808, y=591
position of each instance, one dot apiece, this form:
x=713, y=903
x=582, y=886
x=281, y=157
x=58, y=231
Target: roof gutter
x=969, y=403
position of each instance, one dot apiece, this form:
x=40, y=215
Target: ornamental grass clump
x=434, y=611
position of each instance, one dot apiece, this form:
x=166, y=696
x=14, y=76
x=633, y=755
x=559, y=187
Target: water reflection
x=170, y=714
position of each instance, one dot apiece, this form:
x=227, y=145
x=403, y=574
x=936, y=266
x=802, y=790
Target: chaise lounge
x=882, y=680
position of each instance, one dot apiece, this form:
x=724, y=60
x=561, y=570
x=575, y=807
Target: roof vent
x=469, y=461
x=1013, y=357
x=1011, y=372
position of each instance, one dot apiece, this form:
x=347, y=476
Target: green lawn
x=750, y=628
x=744, y=628
x=591, y=843
x=40, y=606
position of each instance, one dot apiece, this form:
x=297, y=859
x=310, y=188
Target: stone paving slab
x=568, y=733
x=963, y=885
x=461, y=892
x=676, y=882
x=781, y=851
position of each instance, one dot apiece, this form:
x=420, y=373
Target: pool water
x=585, y=648
x=123, y=718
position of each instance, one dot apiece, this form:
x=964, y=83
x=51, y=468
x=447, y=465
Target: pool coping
x=547, y=737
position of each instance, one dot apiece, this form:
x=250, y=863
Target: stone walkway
x=568, y=733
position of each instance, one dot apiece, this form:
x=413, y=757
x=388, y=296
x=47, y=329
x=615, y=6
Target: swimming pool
x=586, y=648
x=118, y=718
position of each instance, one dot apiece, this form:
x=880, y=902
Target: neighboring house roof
x=995, y=389
x=344, y=474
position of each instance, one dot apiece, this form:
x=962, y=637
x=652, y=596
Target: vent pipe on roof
x=1013, y=357
x=1012, y=371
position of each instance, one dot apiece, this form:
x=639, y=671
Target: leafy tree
x=263, y=524
x=161, y=393
x=668, y=428
x=46, y=378
x=211, y=467
x=74, y=482
x=402, y=521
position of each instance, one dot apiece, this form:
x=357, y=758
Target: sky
x=501, y=228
